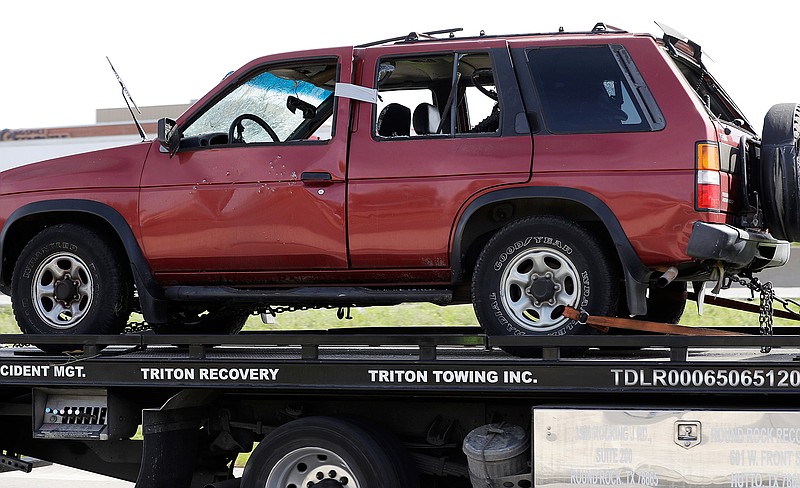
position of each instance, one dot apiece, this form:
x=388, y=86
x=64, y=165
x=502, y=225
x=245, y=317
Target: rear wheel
x=327, y=452
x=532, y=266
x=70, y=279
x=780, y=171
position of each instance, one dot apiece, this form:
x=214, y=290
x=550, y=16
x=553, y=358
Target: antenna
x=126, y=95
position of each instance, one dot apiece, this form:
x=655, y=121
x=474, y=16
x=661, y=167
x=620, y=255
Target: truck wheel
x=535, y=264
x=780, y=171
x=69, y=279
x=327, y=452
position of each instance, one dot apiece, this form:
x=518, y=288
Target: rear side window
x=591, y=89
x=436, y=95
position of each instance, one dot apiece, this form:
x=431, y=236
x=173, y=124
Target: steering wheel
x=476, y=81
x=236, y=126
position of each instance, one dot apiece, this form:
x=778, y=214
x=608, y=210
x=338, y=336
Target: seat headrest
x=394, y=120
x=426, y=119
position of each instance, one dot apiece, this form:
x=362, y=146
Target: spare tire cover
x=780, y=171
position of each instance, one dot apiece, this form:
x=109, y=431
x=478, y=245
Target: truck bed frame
x=425, y=384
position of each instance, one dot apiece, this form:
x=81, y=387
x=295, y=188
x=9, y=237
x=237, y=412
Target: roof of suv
x=431, y=36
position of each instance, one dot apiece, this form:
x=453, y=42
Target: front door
x=258, y=182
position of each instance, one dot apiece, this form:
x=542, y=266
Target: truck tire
x=780, y=171
x=69, y=279
x=328, y=452
x=535, y=264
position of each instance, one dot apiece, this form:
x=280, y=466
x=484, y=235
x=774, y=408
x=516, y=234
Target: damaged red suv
x=602, y=170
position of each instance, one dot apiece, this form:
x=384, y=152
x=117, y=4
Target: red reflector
x=708, y=197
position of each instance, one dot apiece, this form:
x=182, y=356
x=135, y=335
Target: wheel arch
x=30, y=219
x=488, y=213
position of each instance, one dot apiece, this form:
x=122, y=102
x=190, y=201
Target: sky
x=54, y=70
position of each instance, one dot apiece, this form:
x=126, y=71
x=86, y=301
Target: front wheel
x=532, y=266
x=70, y=279
x=328, y=452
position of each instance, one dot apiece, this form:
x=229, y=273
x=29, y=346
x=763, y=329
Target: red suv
x=516, y=172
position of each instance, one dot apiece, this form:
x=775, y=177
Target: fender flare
x=637, y=275
x=151, y=295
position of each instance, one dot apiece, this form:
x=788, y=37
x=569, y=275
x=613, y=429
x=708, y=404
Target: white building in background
x=114, y=127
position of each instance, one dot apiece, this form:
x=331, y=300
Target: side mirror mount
x=168, y=135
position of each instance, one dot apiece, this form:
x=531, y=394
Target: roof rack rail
x=413, y=36
x=603, y=27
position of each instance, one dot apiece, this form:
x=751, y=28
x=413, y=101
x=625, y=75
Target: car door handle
x=316, y=178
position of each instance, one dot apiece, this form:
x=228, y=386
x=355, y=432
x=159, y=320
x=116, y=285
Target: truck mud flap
x=169, y=451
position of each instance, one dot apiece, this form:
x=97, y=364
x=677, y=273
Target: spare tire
x=780, y=171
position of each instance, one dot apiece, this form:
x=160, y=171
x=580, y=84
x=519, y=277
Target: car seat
x=426, y=119
x=394, y=121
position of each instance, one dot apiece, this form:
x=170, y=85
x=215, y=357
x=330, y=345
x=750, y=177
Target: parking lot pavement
x=61, y=476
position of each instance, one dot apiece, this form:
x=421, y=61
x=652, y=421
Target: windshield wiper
x=126, y=95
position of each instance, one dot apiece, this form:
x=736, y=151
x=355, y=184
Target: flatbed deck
x=429, y=386
x=436, y=362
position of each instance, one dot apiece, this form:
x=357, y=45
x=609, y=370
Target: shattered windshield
x=294, y=102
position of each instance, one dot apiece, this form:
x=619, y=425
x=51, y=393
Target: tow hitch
x=11, y=461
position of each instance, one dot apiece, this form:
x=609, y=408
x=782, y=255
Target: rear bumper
x=744, y=249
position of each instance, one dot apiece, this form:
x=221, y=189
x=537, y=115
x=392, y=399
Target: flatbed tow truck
x=414, y=406
x=601, y=169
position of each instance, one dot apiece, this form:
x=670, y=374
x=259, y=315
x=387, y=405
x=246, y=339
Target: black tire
x=321, y=451
x=780, y=171
x=70, y=279
x=204, y=320
x=665, y=305
x=535, y=264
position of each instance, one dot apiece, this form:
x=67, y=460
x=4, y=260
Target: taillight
x=708, y=177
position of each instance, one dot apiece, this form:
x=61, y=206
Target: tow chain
x=756, y=286
x=274, y=311
x=766, y=297
x=342, y=313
